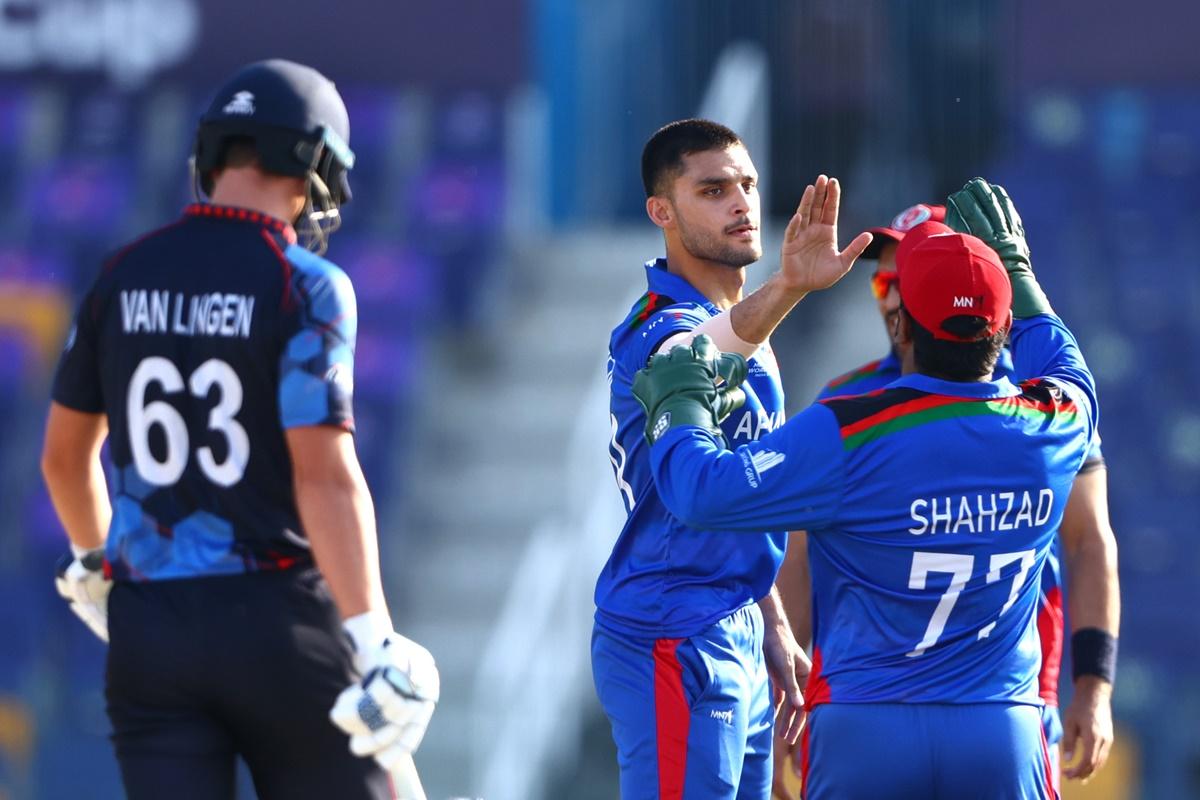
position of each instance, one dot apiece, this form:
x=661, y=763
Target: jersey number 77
x=960, y=567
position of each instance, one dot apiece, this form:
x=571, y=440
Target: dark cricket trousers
x=201, y=670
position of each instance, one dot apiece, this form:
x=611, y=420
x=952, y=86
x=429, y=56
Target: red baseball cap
x=946, y=274
x=904, y=222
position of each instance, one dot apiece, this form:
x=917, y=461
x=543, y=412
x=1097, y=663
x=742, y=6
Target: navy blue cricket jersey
x=931, y=508
x=201, y=342
x=664, y=578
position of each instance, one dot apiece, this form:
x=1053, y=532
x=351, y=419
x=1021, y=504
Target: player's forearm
x=1094, y=597
x=339, y=521
x=776, y=626
x=772, y=609
x=745, y=327
x=755, y=318
x=1094, y=593
x=74, y=476
x=795, y=587
x=1090, y=556
x=80, y=497
x=720, y=330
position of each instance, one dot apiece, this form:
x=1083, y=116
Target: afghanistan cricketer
x=931, y=508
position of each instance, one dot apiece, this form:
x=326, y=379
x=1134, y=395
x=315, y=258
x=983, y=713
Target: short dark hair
x=239, y=151
x=235, y=151
x=662, y=157
x=956, y=361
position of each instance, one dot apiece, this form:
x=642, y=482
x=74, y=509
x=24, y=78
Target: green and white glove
x=680, y=388
x=985, y=210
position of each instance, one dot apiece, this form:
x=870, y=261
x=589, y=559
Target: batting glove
x=81, y=581
x=387, y=712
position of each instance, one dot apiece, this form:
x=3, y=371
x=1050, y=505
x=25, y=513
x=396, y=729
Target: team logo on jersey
x=765, y=460
x=755, y=465
x=725, y=716
x=242, y=104
x=661, y=426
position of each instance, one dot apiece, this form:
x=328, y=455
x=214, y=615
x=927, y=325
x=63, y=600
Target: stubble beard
x=710, y=247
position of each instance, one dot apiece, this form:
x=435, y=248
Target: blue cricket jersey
x=931, y=508
x=878, y=374
x=201, y=342
x=666, y=579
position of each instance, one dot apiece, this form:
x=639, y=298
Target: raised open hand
x=809, y=260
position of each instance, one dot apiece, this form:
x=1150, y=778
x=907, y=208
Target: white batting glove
x=387, y=712
x=81, y=582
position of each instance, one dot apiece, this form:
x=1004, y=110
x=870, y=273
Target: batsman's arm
x=386, y=714
x=74, y=476
x=339, y=518
x=75, y=481
x=331, y=494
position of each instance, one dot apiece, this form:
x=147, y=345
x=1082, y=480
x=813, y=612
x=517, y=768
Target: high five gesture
x=809, y=260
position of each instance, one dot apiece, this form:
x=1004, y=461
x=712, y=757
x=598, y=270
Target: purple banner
x=129, y=43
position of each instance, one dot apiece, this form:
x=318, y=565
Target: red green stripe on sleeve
x=649, y=303
x=934, y=408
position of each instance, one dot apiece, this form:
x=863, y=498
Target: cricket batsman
x=235, y=573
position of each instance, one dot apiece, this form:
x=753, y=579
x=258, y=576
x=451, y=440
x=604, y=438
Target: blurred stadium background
x=497, y=234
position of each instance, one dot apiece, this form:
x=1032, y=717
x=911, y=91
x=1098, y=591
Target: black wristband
x=1093, y=652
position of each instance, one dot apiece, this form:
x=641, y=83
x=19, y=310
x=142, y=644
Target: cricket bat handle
x=405, y=780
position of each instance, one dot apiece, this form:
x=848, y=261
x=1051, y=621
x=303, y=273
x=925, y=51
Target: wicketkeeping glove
x=985, y=210
x=680, y=388
x=387, y=712
x=81, y=581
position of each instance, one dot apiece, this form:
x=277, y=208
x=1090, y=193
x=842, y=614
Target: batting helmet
x=297, y=121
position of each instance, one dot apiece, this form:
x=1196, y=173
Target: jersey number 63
x=142, y=416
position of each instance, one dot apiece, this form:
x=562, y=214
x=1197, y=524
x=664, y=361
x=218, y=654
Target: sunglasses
x=881, y=282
